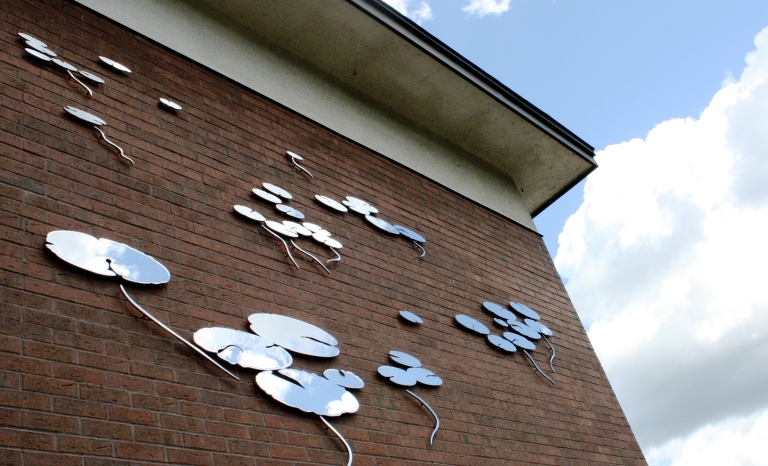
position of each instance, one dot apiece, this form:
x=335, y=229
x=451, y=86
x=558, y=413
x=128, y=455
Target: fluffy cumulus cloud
x=416, y=10
x=665, y=261
x=487, y=7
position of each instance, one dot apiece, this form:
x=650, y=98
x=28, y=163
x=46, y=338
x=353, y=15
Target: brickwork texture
x=84, y=381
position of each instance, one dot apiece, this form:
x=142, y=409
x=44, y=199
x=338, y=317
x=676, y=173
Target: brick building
x=379, y=110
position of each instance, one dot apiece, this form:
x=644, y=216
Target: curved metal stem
x=537, y=367
x=338, y=257
x=176, y=335
x=552, y=357
x=310, y=255
x=423, y=251
x=301, y=168
x=284, y=244
x=90, y=92
x=122, y=154
x=349, y=449
x=437, y=420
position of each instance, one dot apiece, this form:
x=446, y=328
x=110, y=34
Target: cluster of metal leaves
x=412, y=375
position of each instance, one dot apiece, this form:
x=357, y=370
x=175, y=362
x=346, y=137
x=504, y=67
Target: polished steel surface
x=524, y=330
x=311, y=256
x=360, y=206
x=87, y=89
x=277, y=190
x=289, y=211
x=328, y=202
x=410, y=317
x=297, y=158
x=524, y=310
x=502, y=343
x=404, y=359
x=297, y=228
x=308, y=392
x=411, y=376
x=382, y=225
x=106, y=257
x=312, y=227
x=500, y=322
x=63, y=64
x=538, y=326
x=472, y=324
x=410, y=234
x=91, y=77
x=170, y=104
x=437, y=419
x=281, y=229
x=332, y=243
x=37, y=54
x=250, y=213
x=269, y=197
x=85, y=116
x=119, y=149
x=538, y=369
x=499, y=311
x=197, y=350
x=321, y=235
x=294, y=335
x=343, y=440
x=242, y=348
x=279, y=238
x=115, y=64
x=30, y=38
x=346, y=379
x=41, y=48
x=520, y=341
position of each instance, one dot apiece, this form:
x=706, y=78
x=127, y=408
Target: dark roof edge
x=432, y=46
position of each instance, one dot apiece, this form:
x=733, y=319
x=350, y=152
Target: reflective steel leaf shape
x=344, y=378
x=408, y=377
x=243, y=348
x=106, y=257
x=294, y=335
x=308, y=392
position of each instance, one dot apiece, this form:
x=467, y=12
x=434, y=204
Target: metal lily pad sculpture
x=87, y=118
x=273, y=194
x=40, y=50
x=410, y=317
x=112, y=259
x=364, y=208
x=531, y=320
x=243, y=349
x=411, y=376
x=112, y=63
x=169, y=104
x=297, y=158
x=331, y=203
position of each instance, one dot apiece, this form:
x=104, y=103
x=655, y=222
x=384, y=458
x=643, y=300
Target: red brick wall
x=84, y=382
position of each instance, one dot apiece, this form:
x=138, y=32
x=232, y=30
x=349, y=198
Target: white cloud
x=416, y=10
x=487, y=7
x=666, y=260
x=740, y=441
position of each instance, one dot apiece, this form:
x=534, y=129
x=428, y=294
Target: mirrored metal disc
x=312, y=227
x=29, y=38
x=472, y=324
x=281, y=229
x=170, y=104
x=539, y=327
x=344, y=378
x=398, y=376
x=382, y=224
x=266, y=196
x=360, y=206
x=91, y=77
x=502, y=343
x=499, y=311
x=332, y=243
x=409, y=316
x=250, y=213
x=290, y=211
x=242, y=348
x=63, y=64
x=294, y=335
x=500, y=322
x=298, y=228
x=85, y=116
x=115, y=64
x=519, y=341
x=106, y=257
x=277, y=190
x=327, y=201
x=425, y=376
x=308, y=392
x=524, y=310
x=38, y=55
x=410, y=234
x=40, y=48
x=524, y=330
x=404, y=359
x=294, y=155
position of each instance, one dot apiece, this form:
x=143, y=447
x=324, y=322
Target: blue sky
x=663, y=247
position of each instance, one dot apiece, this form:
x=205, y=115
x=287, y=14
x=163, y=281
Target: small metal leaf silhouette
x=499, y=311
x=472, y=324
x=242, y=348
x=524, y=310
x=294, y=335
x=308, y=392
x=404, y=359
x=344, y=378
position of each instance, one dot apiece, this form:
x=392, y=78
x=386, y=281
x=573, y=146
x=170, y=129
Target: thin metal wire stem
x=122, y=154
x=423, y=251
x=552, y=357
x=338, y=256
x=301, y=168
x=437, y=420
x=537, y=367
x=284, y=244
x=310, y=255
x=90, y=92
x=176, y=335
x=349, y=449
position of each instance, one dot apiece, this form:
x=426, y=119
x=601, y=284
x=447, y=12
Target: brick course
x=83, y=381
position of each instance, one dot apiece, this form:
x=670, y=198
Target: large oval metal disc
x=501, y=343
x=520, y=342
x=277, y=190
x=472, y=324
x=327, y=201
x=250, y=213
x=524, y=310
x=281, y=229
x=85, y=116
x=269, y=197
x=382, y=224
